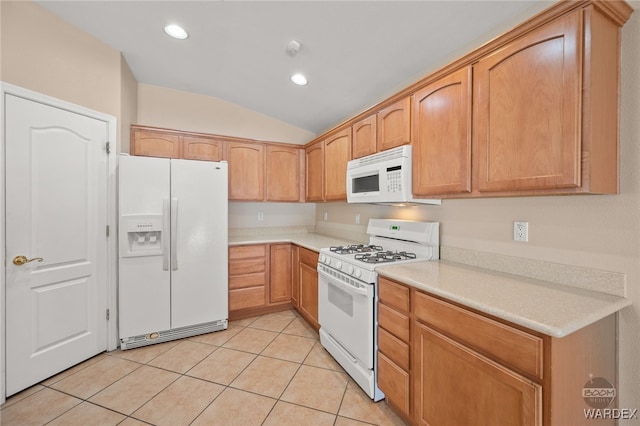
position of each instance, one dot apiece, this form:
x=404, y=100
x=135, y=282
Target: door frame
x=112, y=254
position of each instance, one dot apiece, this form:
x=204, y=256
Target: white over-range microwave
x=383, y=178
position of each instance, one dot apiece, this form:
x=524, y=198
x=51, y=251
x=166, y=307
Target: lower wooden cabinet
x=440, y=363
x=259, y=279
x=394, y=340
x=295, y=276
x=455, y=385
x=308, y=302
x=280, y=273
x=247, y=276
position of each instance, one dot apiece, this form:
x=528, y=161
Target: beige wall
x=176, y=109
x=41, y=52
x=45, y=54
x=600, y=232
x=245, y=215
x=129, y=104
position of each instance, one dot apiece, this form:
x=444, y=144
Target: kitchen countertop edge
x=311, y=241
x=518, y=310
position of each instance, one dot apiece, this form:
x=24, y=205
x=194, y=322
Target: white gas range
x=347, y=291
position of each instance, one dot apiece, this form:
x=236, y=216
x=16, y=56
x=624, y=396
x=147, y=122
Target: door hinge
x=107, y=314
x=108, y=147
x=107, y=230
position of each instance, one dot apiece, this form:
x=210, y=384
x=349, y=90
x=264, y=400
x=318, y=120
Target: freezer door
x=199, y=249
x=144, y=285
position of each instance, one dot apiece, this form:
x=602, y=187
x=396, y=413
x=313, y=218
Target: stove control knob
x=358, y=273
x=338, y=265
x=321, y=259
x=350, y=270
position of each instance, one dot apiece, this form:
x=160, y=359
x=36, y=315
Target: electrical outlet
x=260, y=216
x=357, y=218
x=521, y=231
x=326, y=216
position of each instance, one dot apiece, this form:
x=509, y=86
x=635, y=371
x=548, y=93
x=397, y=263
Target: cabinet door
x=152, y=143
x=337, y=152
x=394, y=124
x=201, y=148
x=309, y=294
x=246, y=171
x=315, y=172
x=442, y=136
x=280, y=273
x=295, y=276
x=527, y=110
x=455, y=385
x=283, y=173
x=364, y=135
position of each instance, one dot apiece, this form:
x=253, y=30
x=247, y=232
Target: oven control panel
x=337, y=264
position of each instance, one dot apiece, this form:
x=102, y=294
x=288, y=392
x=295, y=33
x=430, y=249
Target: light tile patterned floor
x=269, y=370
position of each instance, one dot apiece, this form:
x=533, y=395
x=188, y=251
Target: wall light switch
x=326, y=216
x=357, y=218
x=260, y=216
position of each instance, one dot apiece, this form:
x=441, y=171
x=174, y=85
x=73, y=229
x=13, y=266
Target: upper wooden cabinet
x=246, y=171
x=154, y=143
x=283, y=173
x=532, y=112
x=527, y=126
x=394, y=124
x=545, y=113
x=441, y=135
x=257, y=171
x=363, y=137
x=337, y=152
x=202, y=148
x=388, y=128
x=175, y=144
x=315, y=172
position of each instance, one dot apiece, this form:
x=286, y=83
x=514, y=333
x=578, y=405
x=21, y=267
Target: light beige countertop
x=552, y=309
x=309, y=240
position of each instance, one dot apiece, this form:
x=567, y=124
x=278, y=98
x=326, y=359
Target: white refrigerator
x=173, y=251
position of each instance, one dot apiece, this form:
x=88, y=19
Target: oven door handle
x=345, y=287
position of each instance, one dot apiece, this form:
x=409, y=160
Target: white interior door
x=56, y=209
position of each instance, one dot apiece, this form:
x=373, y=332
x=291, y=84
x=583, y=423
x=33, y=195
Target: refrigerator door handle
x=166, y=225
x=174, y=234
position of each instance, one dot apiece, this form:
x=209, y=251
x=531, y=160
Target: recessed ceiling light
x=176, y=31
x=299, y=79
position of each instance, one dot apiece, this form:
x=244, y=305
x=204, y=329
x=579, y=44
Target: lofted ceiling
x=354, y=53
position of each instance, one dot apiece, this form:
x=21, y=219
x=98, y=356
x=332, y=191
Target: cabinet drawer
x=394, y=295
x=246, y=298
x=245, y=252
x=394, y=322
x=239, y=267
x=517, y=349
x=309, y=257
x=394, y=348
x=247, y=280
x=394, y=382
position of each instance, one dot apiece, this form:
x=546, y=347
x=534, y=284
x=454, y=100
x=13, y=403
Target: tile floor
x=267, y=370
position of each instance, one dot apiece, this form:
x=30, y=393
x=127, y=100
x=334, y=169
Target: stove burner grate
x=384, y=256
x=355, y=248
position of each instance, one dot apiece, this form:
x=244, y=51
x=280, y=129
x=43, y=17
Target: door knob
x=21, y=260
